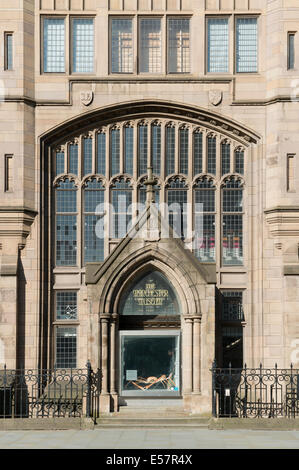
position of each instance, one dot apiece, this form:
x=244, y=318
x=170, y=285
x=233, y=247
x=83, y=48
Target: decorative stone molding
x=15, y=224
x=283, y=221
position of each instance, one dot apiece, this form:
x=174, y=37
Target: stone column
x=113, y=333
x=196, y=354
x=188, y=359
x=105, y=396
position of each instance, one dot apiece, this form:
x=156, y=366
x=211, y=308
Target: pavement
x=150, y=439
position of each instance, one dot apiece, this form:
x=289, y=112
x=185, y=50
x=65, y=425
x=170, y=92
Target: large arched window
x=193, y=166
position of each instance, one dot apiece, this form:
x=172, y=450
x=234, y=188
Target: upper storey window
x=54, y=45
x=150, y=44
x=246, y=45
x=55, y=50
x=219, y=47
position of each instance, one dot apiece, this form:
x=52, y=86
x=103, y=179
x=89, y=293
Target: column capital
x=104, y=317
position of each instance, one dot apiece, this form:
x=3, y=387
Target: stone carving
x=86, y=97
x=215, y=97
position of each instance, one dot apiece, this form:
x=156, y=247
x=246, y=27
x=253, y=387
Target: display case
x=150, y=363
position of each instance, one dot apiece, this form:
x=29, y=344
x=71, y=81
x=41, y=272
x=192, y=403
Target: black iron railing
x=253, y=393
x=33, y=393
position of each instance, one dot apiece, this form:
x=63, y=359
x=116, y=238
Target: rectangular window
x=101, y=153
x=218, y=45
x=66, y=240
x=8, y=173
x=291, y=51
x=232, y=306
x=170, y=150
x=129, y=150
x=66, y=347
x=83, y=45
x=66, y=305
x=54, y=45
x=150, y=51
x=232, y=244
x=121, y=45
x=290, y=172
x=8, y=51
x=178, y=45
x=246, y=45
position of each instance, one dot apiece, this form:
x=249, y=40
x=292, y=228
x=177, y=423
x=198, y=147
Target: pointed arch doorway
x=149, y=338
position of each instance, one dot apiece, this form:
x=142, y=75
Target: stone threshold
x=258, y=424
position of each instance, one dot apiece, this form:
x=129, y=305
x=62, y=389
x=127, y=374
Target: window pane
x=142, y=146
x=73, y=159
x=239, y=162
x=93, y=243
x=212, y=155
x=114, y=152
x=225, y=158
x=178, y=45
x=87, y=155
x=66, y=240
x=246, y=44
x=232, y=200
x=83, y=45
x=54, y=43
x=122, y=209
x=197, y=152
x=59, y=163
x=66, y=201
x=218, y=55
x=291, y=51
x=101, y=154
x=204, y=247
x=121, y=46
x=66, y=347
x=150, y=45
x=66, y=305
x=232, y=243
x=129, y=150
x=232, y=306
x=184, y=150
x=8, y=38
x=156, y=149
x=170, y=150
x=177, y=212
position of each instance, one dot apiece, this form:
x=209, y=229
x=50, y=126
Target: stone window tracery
x=193, y=167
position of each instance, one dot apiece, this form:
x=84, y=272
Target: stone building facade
x=97, y=94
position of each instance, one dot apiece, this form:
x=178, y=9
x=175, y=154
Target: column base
x=105, y=403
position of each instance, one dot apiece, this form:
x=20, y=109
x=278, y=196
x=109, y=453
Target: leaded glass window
x=246, y=45
x=73, y=159
x=204, y=213
x=54, y=45
x=128, y=149
x=177, y=207
x=232, y=222
x=87, y=158
x=184, y=150
x=150, y=45
x=66, y=347
x=8, y=51
x=142, y=149
x=178, y=45
x=211, y=155
x=101, y=153
x=156, y=149
x=83, y=45
x=66, y=305
x=225, y=158
x=59, y=163
x=93, y=224
x=121, y=45
x=66, y=223
x=218, y=45
x=170, y=150
x=197, y=152
x=121, y=199
x=115, y=151
x=239, y=162
x=232, y=306
x=152, y=294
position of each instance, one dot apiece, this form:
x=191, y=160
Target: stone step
x=148, y=421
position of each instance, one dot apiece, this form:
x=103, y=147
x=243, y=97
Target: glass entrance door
x=150, y=363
